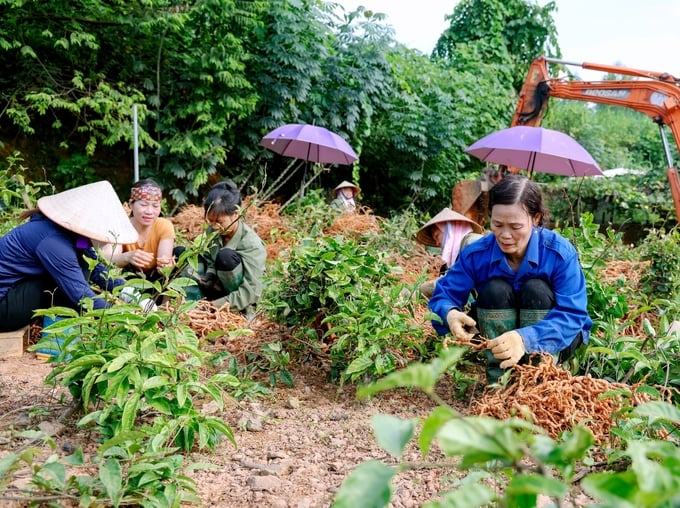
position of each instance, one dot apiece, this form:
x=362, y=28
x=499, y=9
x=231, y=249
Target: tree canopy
x=209, y=78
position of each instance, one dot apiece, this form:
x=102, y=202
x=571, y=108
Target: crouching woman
x=530, y=288
x=231, y=271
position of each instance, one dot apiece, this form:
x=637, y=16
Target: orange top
x=161, y=229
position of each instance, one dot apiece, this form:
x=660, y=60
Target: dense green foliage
x=511, y=33
x=513, y=462
x=338, y=295
x=209, y=78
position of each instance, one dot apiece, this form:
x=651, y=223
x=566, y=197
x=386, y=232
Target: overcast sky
x=643, y=34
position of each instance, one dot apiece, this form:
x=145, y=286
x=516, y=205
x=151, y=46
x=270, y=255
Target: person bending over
x=231, y=270
x=530, y=288
x=42, y=261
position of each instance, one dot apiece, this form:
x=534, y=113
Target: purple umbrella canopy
x=310, y=143
x=535, y=149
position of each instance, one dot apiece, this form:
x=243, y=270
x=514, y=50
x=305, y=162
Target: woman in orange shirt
x=153, y=248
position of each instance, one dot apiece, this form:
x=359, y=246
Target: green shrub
x=340, y=297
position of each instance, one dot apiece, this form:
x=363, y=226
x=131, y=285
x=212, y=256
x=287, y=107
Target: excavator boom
x=655, y=94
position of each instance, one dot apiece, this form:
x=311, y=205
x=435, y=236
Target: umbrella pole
x=290, y=171
x=304, y=177
x=307, y=184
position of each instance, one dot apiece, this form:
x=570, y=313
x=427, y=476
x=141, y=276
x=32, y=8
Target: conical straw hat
x=345, y=184
x=424, y=234
x=93, y=211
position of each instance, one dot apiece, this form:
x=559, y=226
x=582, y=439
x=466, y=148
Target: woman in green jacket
x=232, y=269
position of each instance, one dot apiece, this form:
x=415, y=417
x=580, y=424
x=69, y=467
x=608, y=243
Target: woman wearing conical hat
x=41, y=260
x=450, y=231
x=344, y=197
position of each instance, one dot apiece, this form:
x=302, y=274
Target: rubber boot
x=528, y=317
x=193, y=292
x=491, y=324
x=231, y=279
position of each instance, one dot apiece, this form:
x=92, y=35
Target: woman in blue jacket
x=530, y=288
x=42, y=261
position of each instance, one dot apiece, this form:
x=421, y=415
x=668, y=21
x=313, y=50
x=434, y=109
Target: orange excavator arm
x=654, y=94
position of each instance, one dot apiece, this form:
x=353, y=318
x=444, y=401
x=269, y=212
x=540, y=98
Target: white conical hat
x=347, y=185
x=93, y=211
x=424, y=234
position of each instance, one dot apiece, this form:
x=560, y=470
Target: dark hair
x=518, y=189
x=223, y=199
x=145, y=181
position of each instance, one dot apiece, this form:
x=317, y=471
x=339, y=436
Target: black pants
x=22, y=300
x=535, y=294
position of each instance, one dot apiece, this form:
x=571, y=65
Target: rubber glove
x=457, y=322
x=148, y=305
x=508, y=347
x=129, y=295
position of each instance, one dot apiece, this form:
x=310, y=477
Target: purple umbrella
x=310, y=143
x=535, y=149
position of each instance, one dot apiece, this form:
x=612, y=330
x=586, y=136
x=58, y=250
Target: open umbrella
x=310, y=143
x=535, y=149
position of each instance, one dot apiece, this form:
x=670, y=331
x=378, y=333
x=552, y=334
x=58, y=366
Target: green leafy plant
x=595, y=249
x=511, y=462
x=17, y=192
x=75, y=171
x=340, y=297
x=661, y=278
x=129, y=369
x=118, y=476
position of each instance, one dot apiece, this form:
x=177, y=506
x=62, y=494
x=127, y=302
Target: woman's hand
x=139, y=258
x=508, y=347
x=458, y=322
x=165, y=262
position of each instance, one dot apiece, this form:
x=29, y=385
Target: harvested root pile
x=632, y=271
x=206, y=318
x=269, y=226
x=354, y=224
x=417, y=263
x=264, y=219
x=236, y=334
x=556, y=401
x=190, y=221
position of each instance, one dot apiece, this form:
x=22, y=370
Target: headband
x=145, y=192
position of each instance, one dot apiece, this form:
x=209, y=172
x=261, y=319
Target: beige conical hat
x=424, y=234
x=345, y=184
x=93, y=211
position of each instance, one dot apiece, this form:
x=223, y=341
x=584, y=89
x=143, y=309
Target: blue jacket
x=549, y=257
x=41, y=247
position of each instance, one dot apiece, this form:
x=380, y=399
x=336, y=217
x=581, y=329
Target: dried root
x=556, y=400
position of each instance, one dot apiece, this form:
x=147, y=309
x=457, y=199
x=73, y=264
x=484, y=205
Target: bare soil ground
x=293, y=448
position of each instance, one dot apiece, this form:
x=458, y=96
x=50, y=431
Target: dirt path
x=294, y=448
